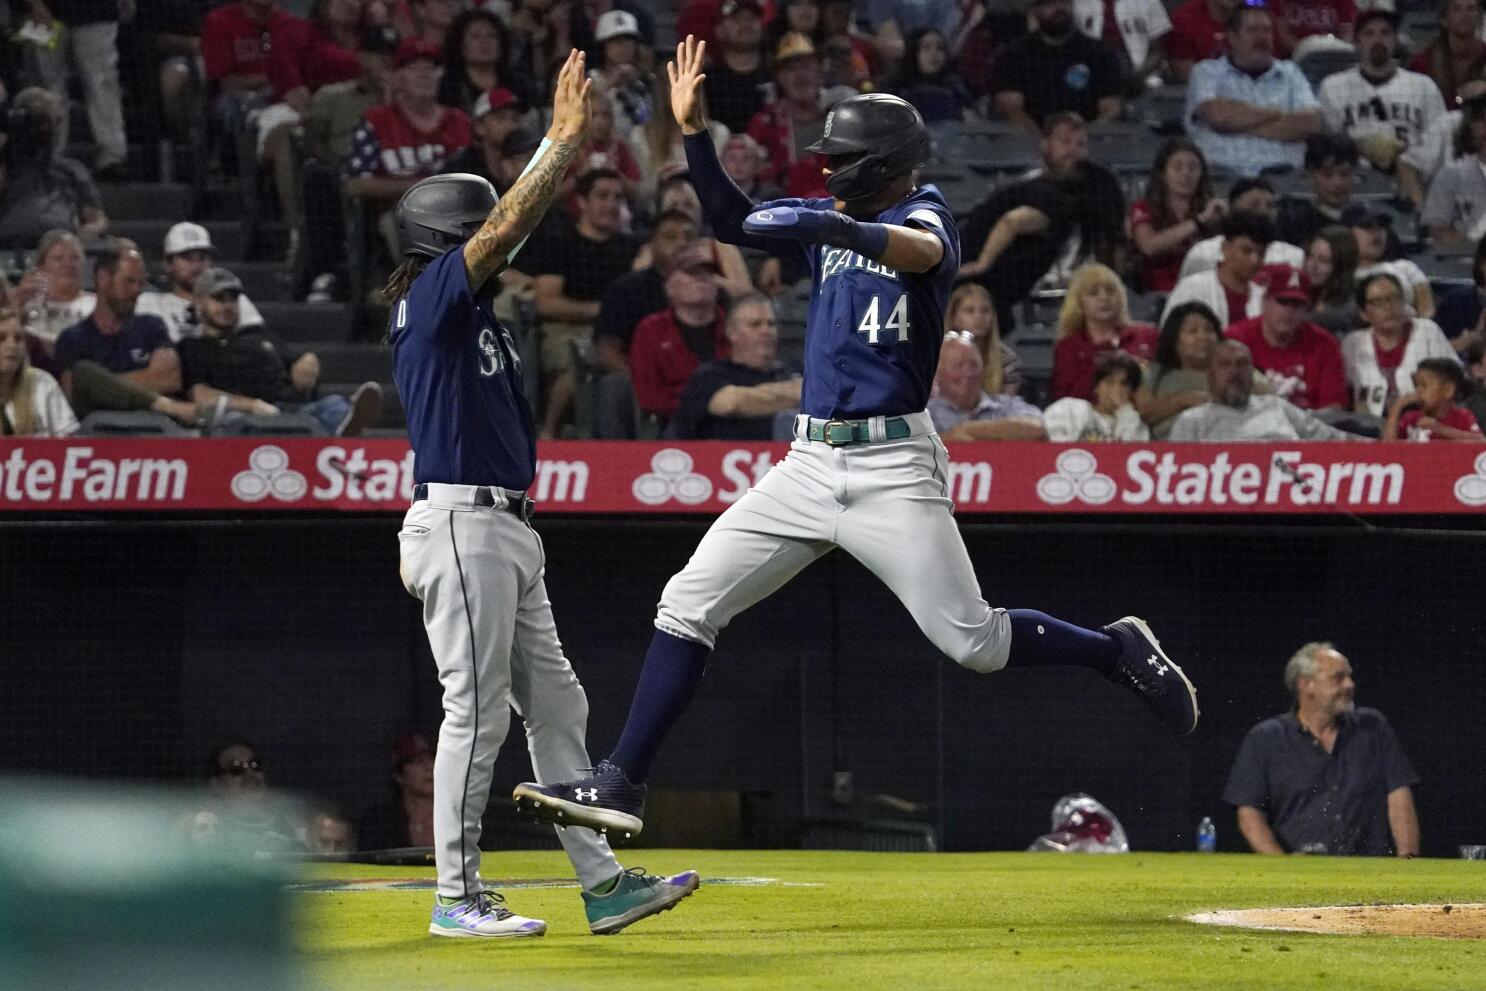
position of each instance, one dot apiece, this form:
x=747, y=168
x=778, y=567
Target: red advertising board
x=705, y=478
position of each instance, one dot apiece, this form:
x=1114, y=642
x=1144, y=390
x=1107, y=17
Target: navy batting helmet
x=442, y=211
x=886, y=136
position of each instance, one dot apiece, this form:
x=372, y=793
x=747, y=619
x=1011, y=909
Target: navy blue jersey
x=460, y=380
x=872, y=336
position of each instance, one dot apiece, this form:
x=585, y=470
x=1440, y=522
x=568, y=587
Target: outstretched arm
x=517, y=213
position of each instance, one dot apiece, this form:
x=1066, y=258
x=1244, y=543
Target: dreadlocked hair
x=402, y=278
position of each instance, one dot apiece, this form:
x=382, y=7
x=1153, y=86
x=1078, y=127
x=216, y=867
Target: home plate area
x=1448, y=921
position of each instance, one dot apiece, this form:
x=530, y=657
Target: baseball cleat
x=605, y=801
x=484, y=915
x=636, y=896
x=1144, y=668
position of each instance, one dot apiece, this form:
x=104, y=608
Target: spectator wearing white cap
x=619, y=70
x=188, y=251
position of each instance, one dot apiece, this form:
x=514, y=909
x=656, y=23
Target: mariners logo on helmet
x=871, y=139
x=441, y=212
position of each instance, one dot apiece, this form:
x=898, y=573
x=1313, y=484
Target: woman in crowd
x=1451, y=58
x=1179, y=210
x=802, y=16
x=971, y=312
x=31, y=401
x=1380, y=358
x=474, y=61
x=1370, y=228
x=50, y=296
x=1331, y=265
x=927, y=79
x=1095, y=319
x=1176, y=378
x=657, y=142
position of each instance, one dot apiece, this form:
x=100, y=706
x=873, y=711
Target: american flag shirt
x=386, y=143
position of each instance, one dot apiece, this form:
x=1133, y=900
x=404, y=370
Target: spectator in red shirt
x=793, y=122
x=1095, y=319
x=315, y=53
x=1433, y=411
x=1452, y=59
x=1178, y=210
x=668, y=346
x=1301, y=358
x=408, y=139
x=1297, y=19
x=236, y=40
x=1197, y=34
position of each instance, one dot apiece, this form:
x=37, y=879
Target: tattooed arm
x=519, y=211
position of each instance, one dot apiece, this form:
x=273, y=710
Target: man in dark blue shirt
x=1327, y=776
x=866, y=473
x=736, y=396
x=468, y=549
x=116, y=359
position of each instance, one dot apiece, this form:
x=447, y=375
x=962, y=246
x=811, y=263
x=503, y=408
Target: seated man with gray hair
x=1235, y=414
x=1327, y=776
x=963, y=411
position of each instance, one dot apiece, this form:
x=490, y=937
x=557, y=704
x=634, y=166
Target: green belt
x=840, y=433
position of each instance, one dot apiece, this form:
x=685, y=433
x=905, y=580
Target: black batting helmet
x=442, y=211
x=887, y=134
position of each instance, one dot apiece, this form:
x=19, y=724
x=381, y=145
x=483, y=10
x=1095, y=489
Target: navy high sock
x=672, y=671
x=1038, y=640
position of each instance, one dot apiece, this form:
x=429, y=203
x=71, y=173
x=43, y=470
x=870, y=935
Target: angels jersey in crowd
x=1401, y=107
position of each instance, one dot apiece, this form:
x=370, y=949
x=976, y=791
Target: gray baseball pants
x=479, y=572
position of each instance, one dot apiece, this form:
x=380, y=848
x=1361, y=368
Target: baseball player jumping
x=866, y=472
x=467, y=546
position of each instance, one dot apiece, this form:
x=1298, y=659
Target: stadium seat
x=1317, y=65
x=281, y=425
x=136, y=423
x=354, y=362
x=991, y=148
x=264, y=282
x=1034, y=345
x=1163, y=110
x=1124, y=146
x=146, y=201
x=307, y=322
x=149, y=234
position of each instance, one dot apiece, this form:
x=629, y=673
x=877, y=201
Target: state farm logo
x=269, y=474
x=1076, y=478
x=1471, y=489
x=671, y=477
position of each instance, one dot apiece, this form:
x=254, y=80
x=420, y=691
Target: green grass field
x=1002, y=921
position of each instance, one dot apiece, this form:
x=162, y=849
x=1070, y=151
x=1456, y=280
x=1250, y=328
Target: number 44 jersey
x=873, y=334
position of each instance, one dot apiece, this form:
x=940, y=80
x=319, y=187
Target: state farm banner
x=705, y=478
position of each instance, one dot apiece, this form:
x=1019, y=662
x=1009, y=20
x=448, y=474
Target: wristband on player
x=867, y=240
x=535, y=158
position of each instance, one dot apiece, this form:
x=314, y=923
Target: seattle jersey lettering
x=834, y=261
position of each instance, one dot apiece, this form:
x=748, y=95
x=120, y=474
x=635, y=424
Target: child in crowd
x=1434, y=410
x=1111, y=416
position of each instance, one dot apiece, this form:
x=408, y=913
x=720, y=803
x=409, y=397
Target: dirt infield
x=1441, y=921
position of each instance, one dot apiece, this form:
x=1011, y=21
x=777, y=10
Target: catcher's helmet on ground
x=887, y=134
x=442, y=211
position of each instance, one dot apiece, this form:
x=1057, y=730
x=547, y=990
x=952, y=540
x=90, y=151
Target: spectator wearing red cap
x=1301, y=358
x=738, y=80
x=408, y=139
x=670, y=345
x=1095, y=320
x=497, y=114
x=405, y=819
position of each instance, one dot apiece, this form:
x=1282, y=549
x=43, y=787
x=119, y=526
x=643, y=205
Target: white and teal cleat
x=483, y=916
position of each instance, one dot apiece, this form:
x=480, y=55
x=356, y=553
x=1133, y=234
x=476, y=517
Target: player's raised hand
x=570, y=101
x=686, y=77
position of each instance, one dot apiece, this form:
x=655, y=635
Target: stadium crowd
x=1219, y=221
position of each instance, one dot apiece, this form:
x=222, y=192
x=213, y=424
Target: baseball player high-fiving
x=467, y=546
x=866, y=472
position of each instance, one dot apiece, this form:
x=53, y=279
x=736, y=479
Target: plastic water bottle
x=1207, y=836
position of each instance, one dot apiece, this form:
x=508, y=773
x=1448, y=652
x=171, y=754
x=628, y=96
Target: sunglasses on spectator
x=963, y=336
x=237, y=768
